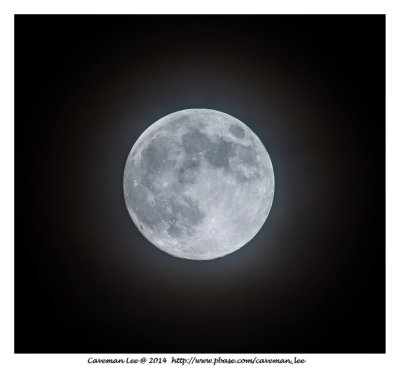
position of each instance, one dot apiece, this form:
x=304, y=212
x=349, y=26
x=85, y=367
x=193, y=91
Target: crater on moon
x=198, y=184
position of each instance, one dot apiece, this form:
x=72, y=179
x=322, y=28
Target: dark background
x=311, y=87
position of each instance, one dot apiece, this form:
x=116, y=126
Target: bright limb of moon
x=198, y=184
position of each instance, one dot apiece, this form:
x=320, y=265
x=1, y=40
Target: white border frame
x=8, y=8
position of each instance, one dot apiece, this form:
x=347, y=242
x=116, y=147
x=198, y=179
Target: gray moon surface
x=198, y=184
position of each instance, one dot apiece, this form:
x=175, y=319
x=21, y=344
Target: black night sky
x=311, y=87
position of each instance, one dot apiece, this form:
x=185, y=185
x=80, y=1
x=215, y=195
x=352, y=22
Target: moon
x=198, y=184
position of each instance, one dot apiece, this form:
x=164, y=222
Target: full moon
x=198, y=184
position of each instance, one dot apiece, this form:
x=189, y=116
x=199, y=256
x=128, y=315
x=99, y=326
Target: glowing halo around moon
x=198, y=184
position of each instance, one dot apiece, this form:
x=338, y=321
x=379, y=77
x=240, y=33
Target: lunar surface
x=198, y=184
